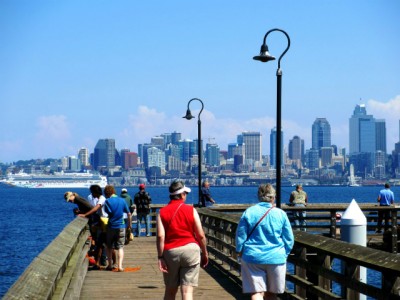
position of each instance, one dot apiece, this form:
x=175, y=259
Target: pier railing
x=58, y=271
x=318, y=267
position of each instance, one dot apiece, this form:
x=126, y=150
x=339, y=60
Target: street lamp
x=189, y=117
x=265, y=57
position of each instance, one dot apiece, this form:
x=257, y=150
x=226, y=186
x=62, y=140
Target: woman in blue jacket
x=264, y=239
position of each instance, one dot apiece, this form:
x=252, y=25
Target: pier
x=320, y=265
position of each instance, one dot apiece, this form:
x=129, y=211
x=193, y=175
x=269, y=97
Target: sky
x=73, y=72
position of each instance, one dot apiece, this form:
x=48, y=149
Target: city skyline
x=73, y=73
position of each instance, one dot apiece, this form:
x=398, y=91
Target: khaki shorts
x=183, y=266
x=115, y=238
x=263, y=278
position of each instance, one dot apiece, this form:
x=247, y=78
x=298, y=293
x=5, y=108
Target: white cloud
x=390, y=111
x=53, y=127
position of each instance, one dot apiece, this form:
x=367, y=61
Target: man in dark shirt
x=205, y=194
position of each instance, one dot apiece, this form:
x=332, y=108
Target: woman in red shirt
x=181, y=244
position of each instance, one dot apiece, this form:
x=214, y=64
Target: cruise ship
x=57, y=180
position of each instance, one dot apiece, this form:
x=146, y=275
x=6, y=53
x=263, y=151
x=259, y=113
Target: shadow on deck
x=147, y=282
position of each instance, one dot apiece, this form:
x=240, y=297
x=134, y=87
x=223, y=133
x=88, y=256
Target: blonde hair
x=266, y=193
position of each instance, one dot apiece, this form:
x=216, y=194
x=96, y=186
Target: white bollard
x=354, y=231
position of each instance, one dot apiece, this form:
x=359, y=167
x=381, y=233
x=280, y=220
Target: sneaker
x=148, y=234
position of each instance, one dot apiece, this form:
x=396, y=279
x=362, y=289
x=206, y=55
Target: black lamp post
x=265, y=57
x=189, y=117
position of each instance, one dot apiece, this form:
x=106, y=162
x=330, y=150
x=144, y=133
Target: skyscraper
x=212, y=154
x=296, y=150
x=252, y=145
x=272, y=147
x=380, y=132
x=362, y=131
x=321, y=134
x=104, y=153
x=83, y=155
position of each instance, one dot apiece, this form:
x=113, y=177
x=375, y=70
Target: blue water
x=32, y=218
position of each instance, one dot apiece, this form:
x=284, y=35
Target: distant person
x=115, y=207
x=129, y=201
x=142, y=201
x=83, y=205
x=385, y=198
x=264, y=239
x=205, y=194
x=100, y=238
x=181, y=243
x=299, y=198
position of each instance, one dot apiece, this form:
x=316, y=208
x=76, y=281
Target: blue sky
x=72, y=72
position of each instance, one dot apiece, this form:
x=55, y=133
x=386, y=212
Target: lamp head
x=188, y=115
x=264, y=54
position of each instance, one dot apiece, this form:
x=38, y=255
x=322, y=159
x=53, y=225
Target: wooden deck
x=147, y=283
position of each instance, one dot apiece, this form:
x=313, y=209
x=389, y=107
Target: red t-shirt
x=178, y=222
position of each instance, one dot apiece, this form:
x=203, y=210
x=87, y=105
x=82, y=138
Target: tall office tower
x=104, y=153
x=252, y=145
x=158, y=141
x=312, y=159
x=123, y=155
x=156, y=158
x=131, y=160
x=235, y=149
x=212, y=155
x=176, y=137
x=362, y=131
x=167, y=139
x=326, y=154
x=380, y=132
x=321, y=134
x=272, y=148
x=187, y=148
x=396, y=160
x=296, y=148
x=64, y=163
x=296, y=151
x=83, y=155
x=140, y=152
x=379, y=169
x=74, y=164
x=362, y=141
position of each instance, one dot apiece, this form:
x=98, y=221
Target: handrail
x=58, y=271
x=314, y=262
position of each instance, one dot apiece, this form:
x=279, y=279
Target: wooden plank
x=147, y=283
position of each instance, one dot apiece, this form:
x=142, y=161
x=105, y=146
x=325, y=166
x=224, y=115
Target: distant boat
x=58, y=180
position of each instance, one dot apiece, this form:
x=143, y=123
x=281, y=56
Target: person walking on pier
x=115, y=207
x=205, y=194
x=181, y=244
x=129, y=201
x=142, y=201
x=299, y=198
x=264, y=239
x=385, y=198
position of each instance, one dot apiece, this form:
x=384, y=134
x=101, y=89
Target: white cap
x=124, y=190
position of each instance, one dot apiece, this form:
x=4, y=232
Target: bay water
x=32, y=218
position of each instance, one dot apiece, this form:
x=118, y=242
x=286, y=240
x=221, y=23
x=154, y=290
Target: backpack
x=142, y=202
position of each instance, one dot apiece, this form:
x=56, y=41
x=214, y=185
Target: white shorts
x=263, y=278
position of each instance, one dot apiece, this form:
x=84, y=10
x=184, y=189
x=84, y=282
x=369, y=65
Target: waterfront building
x=156, y=158
x=380, y=132
x=83, y=155
x=104, y=154
x=296, y=151
x=312, y=159
x=212, y=155
x=158, y=141
x=326, y=154
x=251, y=142
x=321, y=134
x=128, y=159
x=176, y=137
x=272, y=148
x=74, y=164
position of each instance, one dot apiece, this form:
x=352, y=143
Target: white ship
x=58, y=180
